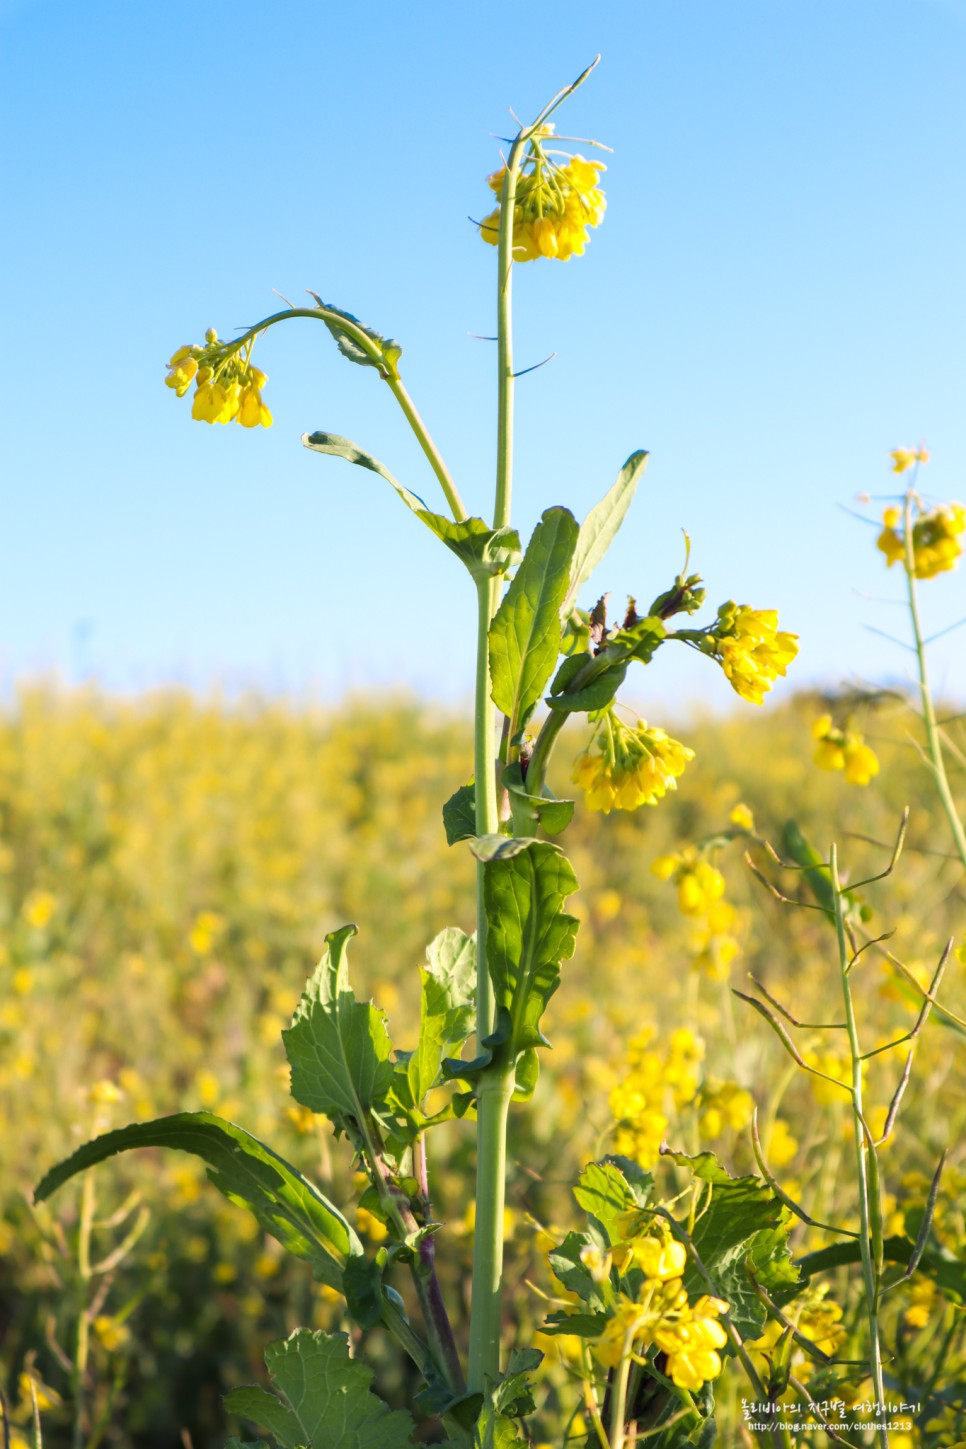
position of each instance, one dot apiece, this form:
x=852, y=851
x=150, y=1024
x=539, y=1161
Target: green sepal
x=600, y=527
x=551, y=814
x=525, y=633
x=248, y=1173
x=390, y=350
x=598, y=693
x=338, y=1048
x=322, y=1398
x=459, y=815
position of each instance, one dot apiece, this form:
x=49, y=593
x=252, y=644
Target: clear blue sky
x=775, y=299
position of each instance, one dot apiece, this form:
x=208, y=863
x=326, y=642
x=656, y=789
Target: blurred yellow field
x=169, y=868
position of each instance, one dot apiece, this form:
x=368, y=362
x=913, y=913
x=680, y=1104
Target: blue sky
x=775, y=299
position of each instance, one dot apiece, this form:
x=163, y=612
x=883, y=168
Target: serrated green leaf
x=609, y=1190
x=447, y=1007
x=600, y=527
x=597, y=694
x=322, y=1398
x=249, y=1174
x=494, y=1431
x=743, y=1230
x=525, y=634
x=459, y=815
x=528, y=935
x=338, y=1048
x=566, y=1265
x=513, y=1395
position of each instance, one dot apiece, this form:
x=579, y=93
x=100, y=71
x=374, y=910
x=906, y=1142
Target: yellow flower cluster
x=936, y=545
x=701, y=889
x=844, y=749
x=227, y=387
x=554, y=207
x=904, y=458
x=660, y=1315
x=630, y=767
x=752, y=651
x=639, y=1102
x=724, y=1106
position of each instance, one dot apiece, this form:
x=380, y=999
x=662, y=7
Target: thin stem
x=619, y=1411
x=496, y=1090
x=429, y=447
x=82, y=1340
x=862, y=1147
x=933, y=739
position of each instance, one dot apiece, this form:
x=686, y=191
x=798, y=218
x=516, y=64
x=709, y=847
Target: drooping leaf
x=484, y=551
x=388, y=350
x=569, y=698
x=500, y=847
x=600, y=527
x=529, y=934
x=741, y=1233
x=796, y=848
x=338, y=1048
x=459, y=815
x=285, y=1203
x=322, y=1398
x=525, y=634
x=446, y=1010
x=609, y=1190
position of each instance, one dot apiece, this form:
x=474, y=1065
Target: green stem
x=487, y=812
x=933, y=741
x=82, y=1340
x=496, y=1090
x=388, y=374
x=862, y=1147
x=429, y=447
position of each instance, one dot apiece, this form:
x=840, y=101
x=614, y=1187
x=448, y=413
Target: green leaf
x=494, y=1431
x=447, y=1007
x=338, y=1048
x=485, y=551
x=947, y=1271
x=742, y=1231
x=609, y=1190
x=566, y=1264
x=600, y=527
x=249, y=1174
x=596, y=694
x=362, y=1285
x=350, y=348
x=551, y=814
x=322, y=1398
x=459, y=815
x=816, y=871
x=528, y=935
x=500, y=847
x=513, y=1395
x=525, y=634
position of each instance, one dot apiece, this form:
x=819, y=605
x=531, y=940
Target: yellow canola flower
x=844, y=749
x=904, y=458
x=554, y=207
x=699, y=883
x=692, y=1344
x=753, y=652
x=38, y=908
x=227, y=387
x=936, y=545
x=630, y=767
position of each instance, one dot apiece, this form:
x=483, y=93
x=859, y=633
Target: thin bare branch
x=783, y=1011
x=896, y=852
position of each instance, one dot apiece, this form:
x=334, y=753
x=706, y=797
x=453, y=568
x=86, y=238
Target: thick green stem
x=862, y=1147
x=933, y=741
x=496, y=1090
